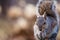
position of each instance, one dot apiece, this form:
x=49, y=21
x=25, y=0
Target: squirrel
x=48, y=8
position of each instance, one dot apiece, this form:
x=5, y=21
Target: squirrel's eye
x=44, y=23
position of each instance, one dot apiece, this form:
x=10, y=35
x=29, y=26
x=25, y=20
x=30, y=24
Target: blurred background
x=17, y=18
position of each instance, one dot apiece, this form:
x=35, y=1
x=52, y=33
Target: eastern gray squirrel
x=48, y=8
